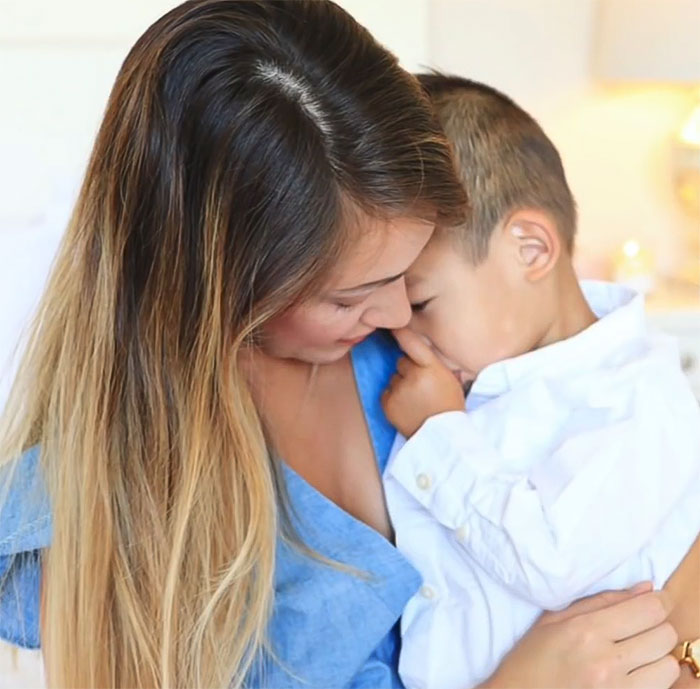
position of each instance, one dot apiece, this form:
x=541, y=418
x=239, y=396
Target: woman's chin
x=319, y=354
x=326, y=355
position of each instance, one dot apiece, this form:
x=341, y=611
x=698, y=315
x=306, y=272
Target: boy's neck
x=571, y=313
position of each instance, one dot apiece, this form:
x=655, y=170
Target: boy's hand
x=422, y=387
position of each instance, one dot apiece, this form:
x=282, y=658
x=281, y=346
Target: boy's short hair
x=503, y=158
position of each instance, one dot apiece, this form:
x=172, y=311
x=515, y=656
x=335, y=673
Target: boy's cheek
x=431, y=327
x=445, y=359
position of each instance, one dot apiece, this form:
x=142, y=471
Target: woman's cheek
x=325, y=325
x=342, y=324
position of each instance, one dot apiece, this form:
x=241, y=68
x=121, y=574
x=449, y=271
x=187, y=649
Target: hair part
x=503, y=157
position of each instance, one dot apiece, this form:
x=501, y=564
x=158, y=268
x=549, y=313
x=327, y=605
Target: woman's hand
x=614, y=640
x=683, y=589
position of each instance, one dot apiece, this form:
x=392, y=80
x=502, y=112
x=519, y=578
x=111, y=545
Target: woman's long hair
x=236, y=134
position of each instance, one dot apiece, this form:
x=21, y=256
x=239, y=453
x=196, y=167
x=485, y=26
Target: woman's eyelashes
x=344, y=306
x=346, y=303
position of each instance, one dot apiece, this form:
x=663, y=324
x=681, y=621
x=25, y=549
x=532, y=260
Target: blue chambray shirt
x=330, y=627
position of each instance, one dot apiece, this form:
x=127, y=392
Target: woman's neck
x=314, y=419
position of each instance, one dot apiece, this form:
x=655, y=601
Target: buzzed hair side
x=504, y=159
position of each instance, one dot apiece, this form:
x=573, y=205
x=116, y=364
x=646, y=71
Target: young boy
x=574, y=465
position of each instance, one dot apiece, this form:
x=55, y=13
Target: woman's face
x=365, y=291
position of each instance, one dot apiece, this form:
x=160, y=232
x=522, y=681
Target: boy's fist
x=422, y=387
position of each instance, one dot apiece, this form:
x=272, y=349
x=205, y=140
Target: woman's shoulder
x=379, y=349
x=374, y=361
x=25, y=513
x=25, y=528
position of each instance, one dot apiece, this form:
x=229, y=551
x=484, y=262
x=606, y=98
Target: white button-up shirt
x=573, y=469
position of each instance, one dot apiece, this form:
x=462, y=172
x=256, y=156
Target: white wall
x=615, y=142
x=534, y=50
x=400, y=25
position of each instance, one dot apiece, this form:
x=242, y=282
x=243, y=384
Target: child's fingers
x=404, y=366
x=392, y=383
x=414, y=347
x=387, y=398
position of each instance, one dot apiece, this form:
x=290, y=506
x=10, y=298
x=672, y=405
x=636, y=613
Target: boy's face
x=472, y=315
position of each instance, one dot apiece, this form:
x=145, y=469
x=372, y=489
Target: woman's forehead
x=380, y=249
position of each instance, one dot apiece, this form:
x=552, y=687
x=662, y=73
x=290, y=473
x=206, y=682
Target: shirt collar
x=620, y=311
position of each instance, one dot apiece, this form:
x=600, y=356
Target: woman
x=264, y=175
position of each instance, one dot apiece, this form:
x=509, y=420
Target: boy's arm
x=549, y=544
x=550, y=529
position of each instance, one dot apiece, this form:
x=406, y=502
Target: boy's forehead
x=441, y=260
x=436, y=251
x=424, y=267
x=413, y=277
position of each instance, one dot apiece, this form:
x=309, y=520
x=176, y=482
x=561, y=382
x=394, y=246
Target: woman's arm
x=683, y=590
x=617, y=639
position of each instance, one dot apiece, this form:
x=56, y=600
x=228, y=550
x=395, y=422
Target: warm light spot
x=631, y=248
x=690, y=134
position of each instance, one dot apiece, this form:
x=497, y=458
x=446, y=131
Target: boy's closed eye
x=418, y=306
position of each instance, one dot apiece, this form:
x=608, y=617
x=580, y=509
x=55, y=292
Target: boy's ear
x=535, y=242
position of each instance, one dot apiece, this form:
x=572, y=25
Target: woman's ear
x=534, y=240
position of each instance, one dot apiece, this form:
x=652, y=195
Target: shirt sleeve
x=549, y=531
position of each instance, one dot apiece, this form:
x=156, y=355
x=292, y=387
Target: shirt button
x=462, y=533
x=423, y=481
x=428, y=592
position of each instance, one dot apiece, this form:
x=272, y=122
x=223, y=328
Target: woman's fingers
x=632, y=616
x=596, y=602
x=648, y=647
x=660, y=674
x=616, y=639
x=641, y=587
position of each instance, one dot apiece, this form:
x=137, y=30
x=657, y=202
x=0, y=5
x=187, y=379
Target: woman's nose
x=390, y=308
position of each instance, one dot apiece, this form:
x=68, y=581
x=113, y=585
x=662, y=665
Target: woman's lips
x=355, y=340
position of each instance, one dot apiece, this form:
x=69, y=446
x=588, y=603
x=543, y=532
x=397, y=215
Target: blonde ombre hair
x=235, y=134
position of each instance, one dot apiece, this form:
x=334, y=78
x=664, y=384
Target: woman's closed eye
x=346, y=306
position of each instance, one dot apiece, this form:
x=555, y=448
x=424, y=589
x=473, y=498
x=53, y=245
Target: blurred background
x=615, y=83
